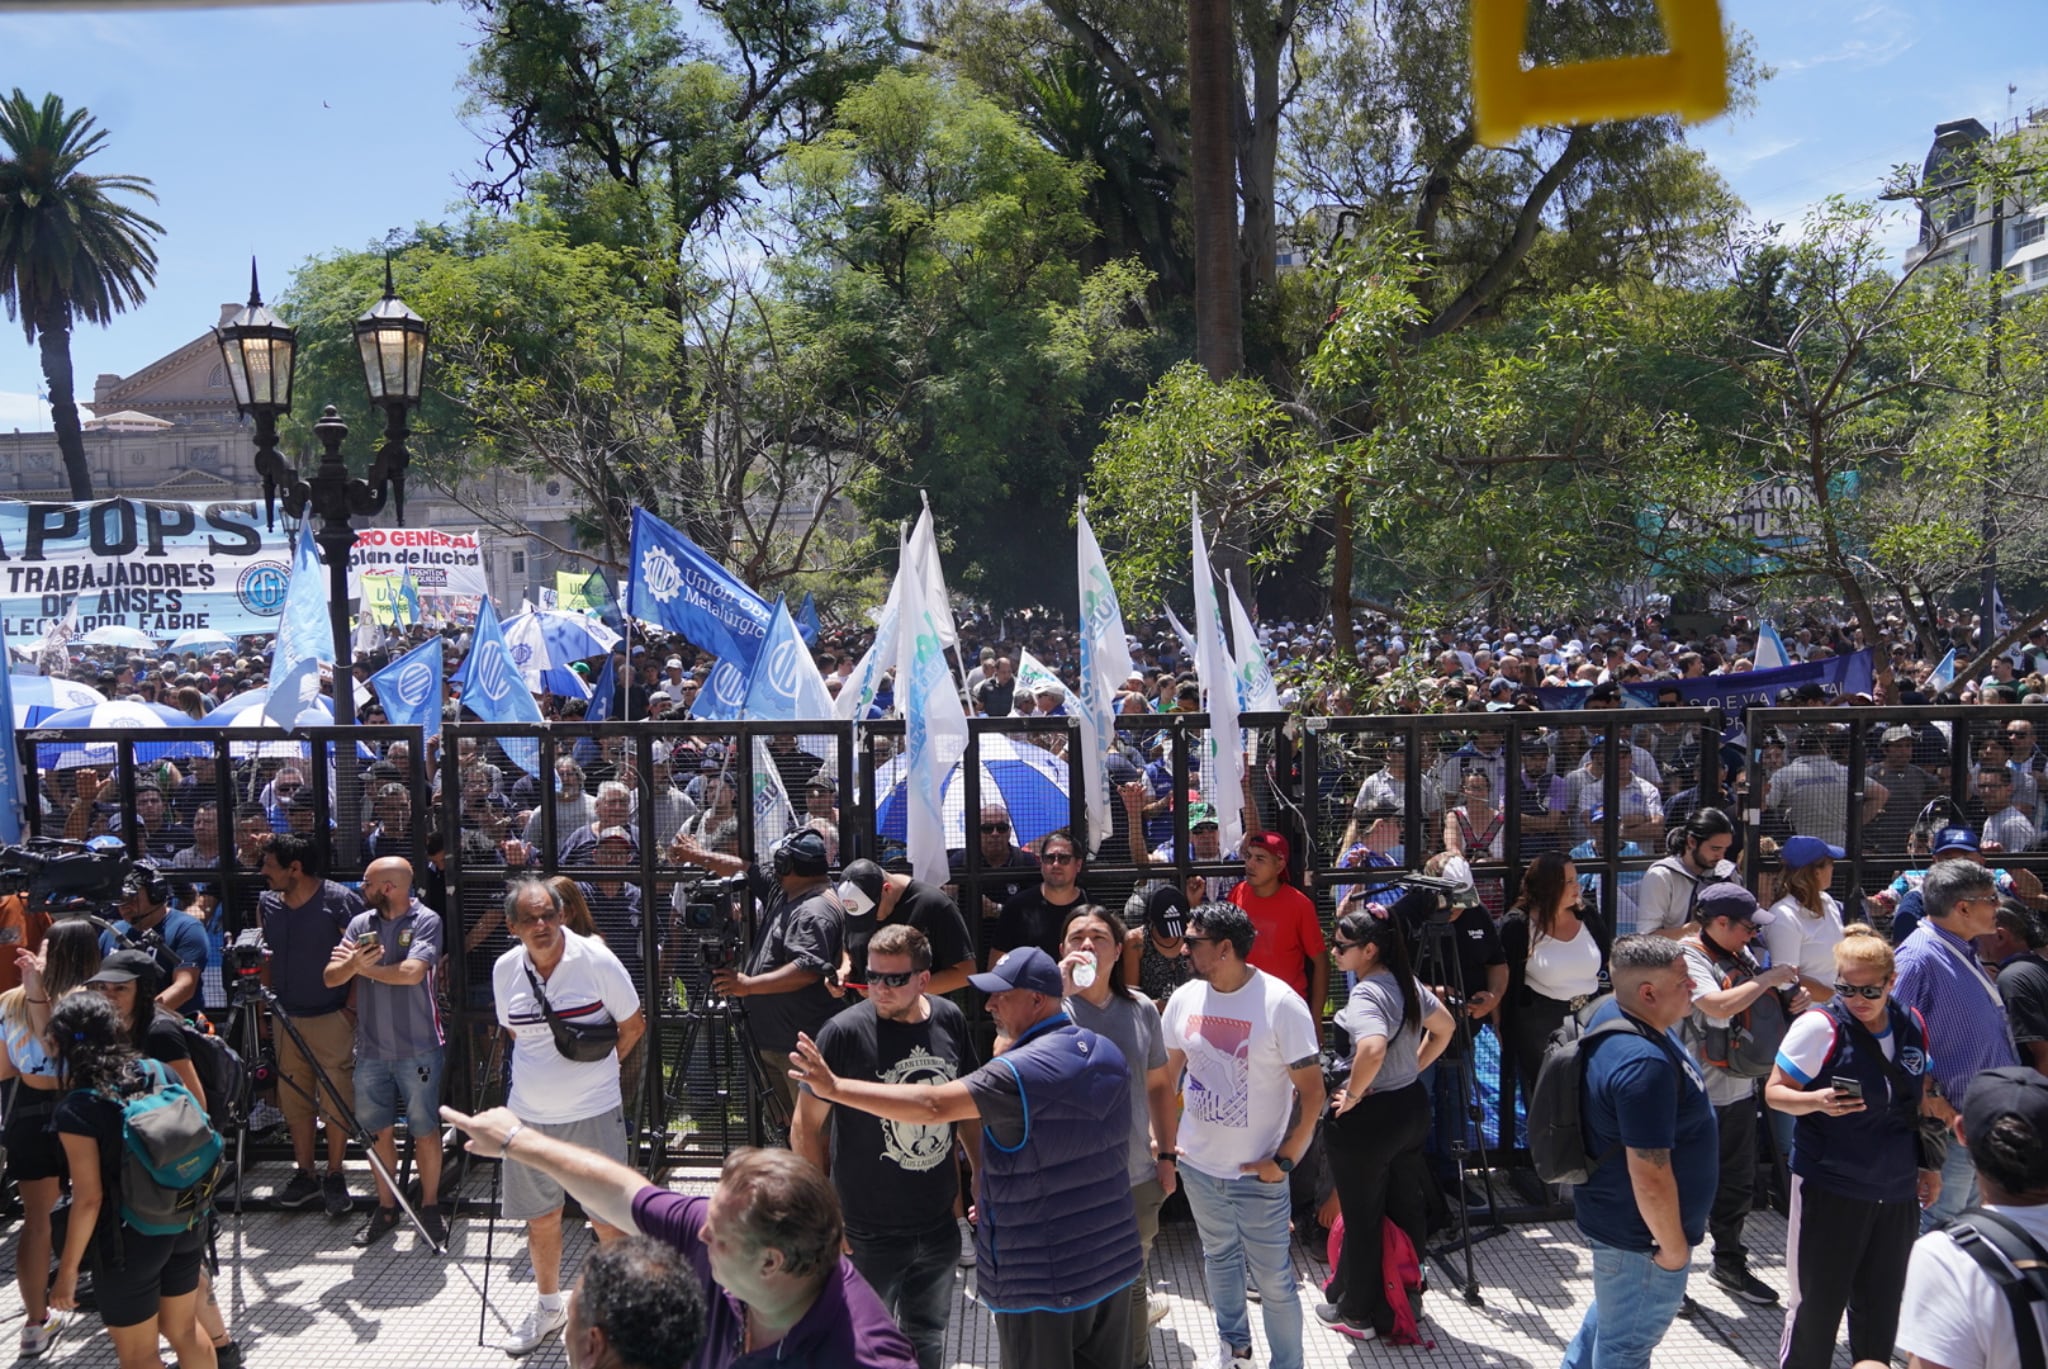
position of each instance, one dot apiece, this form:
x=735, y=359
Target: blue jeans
x=389, y=1089
x=1958, y=1188
x=913, y=1276
x=1243, y=1225
x=1633, y=1304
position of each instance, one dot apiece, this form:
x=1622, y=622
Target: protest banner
x=1838, y=675
x=162, y=567
x=443, y=564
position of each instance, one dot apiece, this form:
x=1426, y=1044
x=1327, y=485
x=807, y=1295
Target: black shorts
x=153, y=1268
x=34, y=1151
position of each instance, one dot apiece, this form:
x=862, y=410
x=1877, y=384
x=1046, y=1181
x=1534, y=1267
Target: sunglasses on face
x=1193, y=940
x=989, y=829
x=1342, y=946
x=1057, y=858
x=1871, y=991
x=892, y=981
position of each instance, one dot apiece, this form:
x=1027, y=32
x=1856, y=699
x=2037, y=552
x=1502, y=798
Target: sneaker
x=1744, y=1285
x=381, y=1224
x=1687, y=1308
x=228, y=1356
x=1328, y=1315
x=437, y=1230
x=334, y=1194
x=1155, y=1311
x=966, y=1243
x=302, y=1191
x=1228, y=1358
x=36, y=1339
x=540, y=1323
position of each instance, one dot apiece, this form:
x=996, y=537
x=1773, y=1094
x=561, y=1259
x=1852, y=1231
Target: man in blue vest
x=1057, y=1236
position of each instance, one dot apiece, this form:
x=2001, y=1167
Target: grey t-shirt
x=1374, y=1009
x=1132, y=1022
x=808, y=932
x=399, y=1021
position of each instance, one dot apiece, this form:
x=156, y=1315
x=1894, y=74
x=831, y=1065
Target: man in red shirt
x=1289, y=944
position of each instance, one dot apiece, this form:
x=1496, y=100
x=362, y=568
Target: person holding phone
x=1852, y=1072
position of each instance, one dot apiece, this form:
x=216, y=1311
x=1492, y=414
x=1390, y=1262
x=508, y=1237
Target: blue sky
x=288, y=132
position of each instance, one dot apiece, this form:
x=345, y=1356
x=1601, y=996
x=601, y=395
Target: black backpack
x=221, y=1073
x=1557, y=1128
x=2022, y=1275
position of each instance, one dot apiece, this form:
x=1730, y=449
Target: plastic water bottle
x=1084, y=971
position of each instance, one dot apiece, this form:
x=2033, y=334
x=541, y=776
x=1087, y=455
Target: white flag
x=1223, y=746
x=857, y=694
x=1256, y=692
x=924, y=548
x=935, y=725
x=1105, y=665
x=1032, y=674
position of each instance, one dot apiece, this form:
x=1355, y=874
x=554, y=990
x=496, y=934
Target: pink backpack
x=1401, y=1269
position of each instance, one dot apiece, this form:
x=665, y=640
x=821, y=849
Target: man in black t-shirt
x=1034, y=916
x=896, y=1180
x=875, y=899
x=2015, y=947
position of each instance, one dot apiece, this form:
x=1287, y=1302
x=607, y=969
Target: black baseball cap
x=1166, y=911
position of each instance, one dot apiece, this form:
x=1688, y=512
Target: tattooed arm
x=1656, y=1190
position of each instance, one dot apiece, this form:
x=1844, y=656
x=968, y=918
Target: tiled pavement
x=299, y=1296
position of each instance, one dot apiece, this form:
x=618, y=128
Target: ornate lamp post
x=259, y=353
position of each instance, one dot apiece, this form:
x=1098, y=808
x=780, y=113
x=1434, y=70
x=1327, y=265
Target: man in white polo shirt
x=552, y=973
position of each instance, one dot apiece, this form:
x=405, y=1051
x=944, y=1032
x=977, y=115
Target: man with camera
x=176, y=944
x=795, y=951
x=573, y=1013
x=393, y=950
x=304, y=917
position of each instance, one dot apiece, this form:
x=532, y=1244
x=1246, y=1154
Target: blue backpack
x=169, y=1158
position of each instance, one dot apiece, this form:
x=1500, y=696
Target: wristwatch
x=1172, y=1157
x=1283, y=1164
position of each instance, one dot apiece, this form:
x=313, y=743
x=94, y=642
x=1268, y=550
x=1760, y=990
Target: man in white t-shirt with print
x=553, y=970
x=1956, y=1317
x=1247, y=1047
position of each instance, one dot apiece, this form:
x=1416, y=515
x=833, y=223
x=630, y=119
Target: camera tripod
x=718, y=1035
x=1437, y=962
x=245, y=1033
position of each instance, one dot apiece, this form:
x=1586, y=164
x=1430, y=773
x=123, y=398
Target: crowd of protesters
x=1275, y=1052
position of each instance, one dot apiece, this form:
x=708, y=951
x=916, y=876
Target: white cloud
x=1878, y=35
x=25, y=412
x=1743, y=156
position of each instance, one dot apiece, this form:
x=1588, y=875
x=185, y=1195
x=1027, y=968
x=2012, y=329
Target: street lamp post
x=260, y=352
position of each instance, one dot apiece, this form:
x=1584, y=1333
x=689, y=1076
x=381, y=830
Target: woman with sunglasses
x=1851, y=1071
x=1379, y=1119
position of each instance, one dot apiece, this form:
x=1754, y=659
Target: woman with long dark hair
x=1557, y=960
x=147, y=1285
x=1380, y=1118
x=35, y=1158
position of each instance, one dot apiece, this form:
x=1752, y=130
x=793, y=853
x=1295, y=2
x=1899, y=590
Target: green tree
x=69, y=248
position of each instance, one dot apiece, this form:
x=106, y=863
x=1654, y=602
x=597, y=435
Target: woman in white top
x=1808, y=922
x=1557, y=960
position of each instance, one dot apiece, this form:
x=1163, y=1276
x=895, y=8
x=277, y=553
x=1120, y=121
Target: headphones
x=154, y=886
x=783, y=857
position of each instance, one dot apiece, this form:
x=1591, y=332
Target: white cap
x=855, y=899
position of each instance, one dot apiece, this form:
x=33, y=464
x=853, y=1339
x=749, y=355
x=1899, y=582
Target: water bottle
x=1084, y=972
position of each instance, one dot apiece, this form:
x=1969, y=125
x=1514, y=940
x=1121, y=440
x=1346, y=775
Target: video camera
x=710, y=918
x=62, y=876
x=241, y=960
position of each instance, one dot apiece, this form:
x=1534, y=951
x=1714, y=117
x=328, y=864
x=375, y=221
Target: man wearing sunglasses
x=1005, y=867
x=896, y=1179
x=1034, y=916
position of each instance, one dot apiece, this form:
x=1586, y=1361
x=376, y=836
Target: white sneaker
x=1227, y=1358
x=36, y=1339
x=1155, y=1311
x=540, y=1323
x=966, y=1243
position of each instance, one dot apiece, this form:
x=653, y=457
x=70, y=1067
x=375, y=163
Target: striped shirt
x=1939, y=975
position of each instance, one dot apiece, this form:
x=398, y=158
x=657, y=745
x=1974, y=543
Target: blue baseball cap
x=1025, y=968
x=1955, y=839
x=1801, y=852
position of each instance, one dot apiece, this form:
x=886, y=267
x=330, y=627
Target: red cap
x=1270, y=841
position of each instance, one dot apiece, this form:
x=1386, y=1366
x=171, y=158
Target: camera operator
x=305, y=917
x=796, y=948
x=766, y=1245
x=176, y=943
x=556, y=993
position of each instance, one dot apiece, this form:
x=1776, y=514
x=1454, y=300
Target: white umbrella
x=38, y=696
x=113, y=634
x=199, y=638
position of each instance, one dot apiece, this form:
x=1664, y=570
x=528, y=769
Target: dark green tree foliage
x=937, y=258
x=69, y=248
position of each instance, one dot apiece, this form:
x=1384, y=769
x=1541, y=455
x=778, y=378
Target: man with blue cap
x=1057, y=1235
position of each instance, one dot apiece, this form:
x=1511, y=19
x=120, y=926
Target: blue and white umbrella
x=543, y=651
x=1028, y=780
x=127, y=714
x=199, y=639
x=567, y=636
x=113, y=634
x=36, y=697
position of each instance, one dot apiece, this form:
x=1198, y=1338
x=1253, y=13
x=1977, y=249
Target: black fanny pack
x=583, y=1042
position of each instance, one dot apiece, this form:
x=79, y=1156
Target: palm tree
x=68, y=249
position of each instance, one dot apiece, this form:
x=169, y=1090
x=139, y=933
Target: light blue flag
x=935, y=724
x=674, y=583
x=1770, y=648
x=1256, y=692
x=409, y=595
x=603, y=694
x=1943, y=677
x=494, y=690
x=784, y=685
x=808, y=625
x=724, y=695
x=411, y=690
x=10, y=766
x=303, y=635
x=1105, y=666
